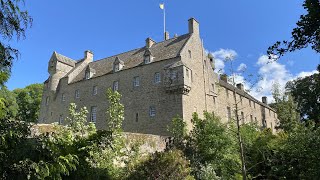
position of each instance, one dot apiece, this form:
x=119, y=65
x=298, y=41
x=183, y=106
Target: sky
x=244, y=29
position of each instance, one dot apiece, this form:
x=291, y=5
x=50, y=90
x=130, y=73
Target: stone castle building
x=157, y=82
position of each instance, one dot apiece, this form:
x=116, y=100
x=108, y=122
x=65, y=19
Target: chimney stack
x=240, y=86
x=264, y=100
x=166, y=35
x=224, y=77
x=149, y=42
x=88, y=55
x=193, y=26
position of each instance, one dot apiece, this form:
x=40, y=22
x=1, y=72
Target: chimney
x=166, y=35
x=224, y=77
x=240, y=86
x=88, y=55
x=193, y=26
x=149, y=42
x=264, y=100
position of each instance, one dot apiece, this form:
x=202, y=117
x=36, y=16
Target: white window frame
x=136, y=81
x=93, y=114
x=87, y=75
x=63, y=97
x=95, y=90
x=60, y=119
x=77, y=94
x=115, y=86
x=157, y=77
x=152, y=111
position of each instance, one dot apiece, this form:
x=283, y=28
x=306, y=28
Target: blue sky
x=245, y=28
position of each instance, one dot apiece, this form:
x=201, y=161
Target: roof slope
x=160, y=51
x=242, y=93
x=64, y=59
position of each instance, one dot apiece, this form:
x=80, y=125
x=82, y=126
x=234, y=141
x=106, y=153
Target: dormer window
x=87, y=76
x=117, y=65
x=148, y=58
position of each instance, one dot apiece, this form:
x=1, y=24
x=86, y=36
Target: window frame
x=136, y=81
x=152, y=111
x=157, y=77
x=93, y=114
x=115, y=86
x=77, y=94
x=94, y=90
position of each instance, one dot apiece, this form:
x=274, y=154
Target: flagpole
x=164, y=18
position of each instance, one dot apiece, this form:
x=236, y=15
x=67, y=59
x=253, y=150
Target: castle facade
x=158, y=82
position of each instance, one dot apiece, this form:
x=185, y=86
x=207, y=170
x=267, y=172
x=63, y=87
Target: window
x=87, y=76
x=93, y=115
x=115, y=86
x=63, y=97
x=147, y=59
x=227, y=93
x=157, y=77
x=249, y=102
x=47, y=101
x=95, y=90
x=77, y=93
x=251, y=118
x=242, y=117
x=137, y=117
x=136, y=81
x=229, y=114
x=214, y=100
x=116, y=67
x=152, y=111
x=190, y=55
x=254, y=105
x=173, y=75
x=60, y=119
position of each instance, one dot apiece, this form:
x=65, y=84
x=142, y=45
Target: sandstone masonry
x=157, y=82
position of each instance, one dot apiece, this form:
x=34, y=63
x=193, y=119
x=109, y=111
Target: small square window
x=115, y=86
x=93, y=115
x=157, y=77
x=95, y=90
x=77, y=94
x=152, y=111
x=136, y=81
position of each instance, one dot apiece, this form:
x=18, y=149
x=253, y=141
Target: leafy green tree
x=29, y=100
x=306, y=92
x=164, y=165
x=286, y=109
x=14, y=22
x=10, y=106
x=306, y=33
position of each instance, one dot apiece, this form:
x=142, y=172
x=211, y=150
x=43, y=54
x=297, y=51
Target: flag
x=161, y=6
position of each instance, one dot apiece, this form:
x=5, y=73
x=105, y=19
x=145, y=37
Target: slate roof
x=242, y=93
x=65, y=59
x=160, y=51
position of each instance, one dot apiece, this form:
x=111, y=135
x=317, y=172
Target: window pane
x=157, y=77
x=152, y=111
x=136, y=81
x=93, y=117
x=95, y=90
x=115, y=86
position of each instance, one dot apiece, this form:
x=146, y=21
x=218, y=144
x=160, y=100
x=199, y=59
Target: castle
x=158, y=82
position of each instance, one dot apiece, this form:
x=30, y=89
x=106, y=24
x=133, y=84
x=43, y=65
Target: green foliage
x=306, y=92
x=178, y=129
x=207, y=173
x=14, y=22
x=9, y=106
x=164, y=165
x=306, y=33
x=29, y=100
x=286, y=110
x=115, y=112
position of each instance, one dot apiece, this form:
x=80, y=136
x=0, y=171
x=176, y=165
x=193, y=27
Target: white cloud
x=242, y=67
x=220, y=57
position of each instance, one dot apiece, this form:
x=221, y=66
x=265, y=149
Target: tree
x=14, y=22
x=29, y=100
x=286, y=109
x=10, y=106
x=306, y=33
x=306, y=92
